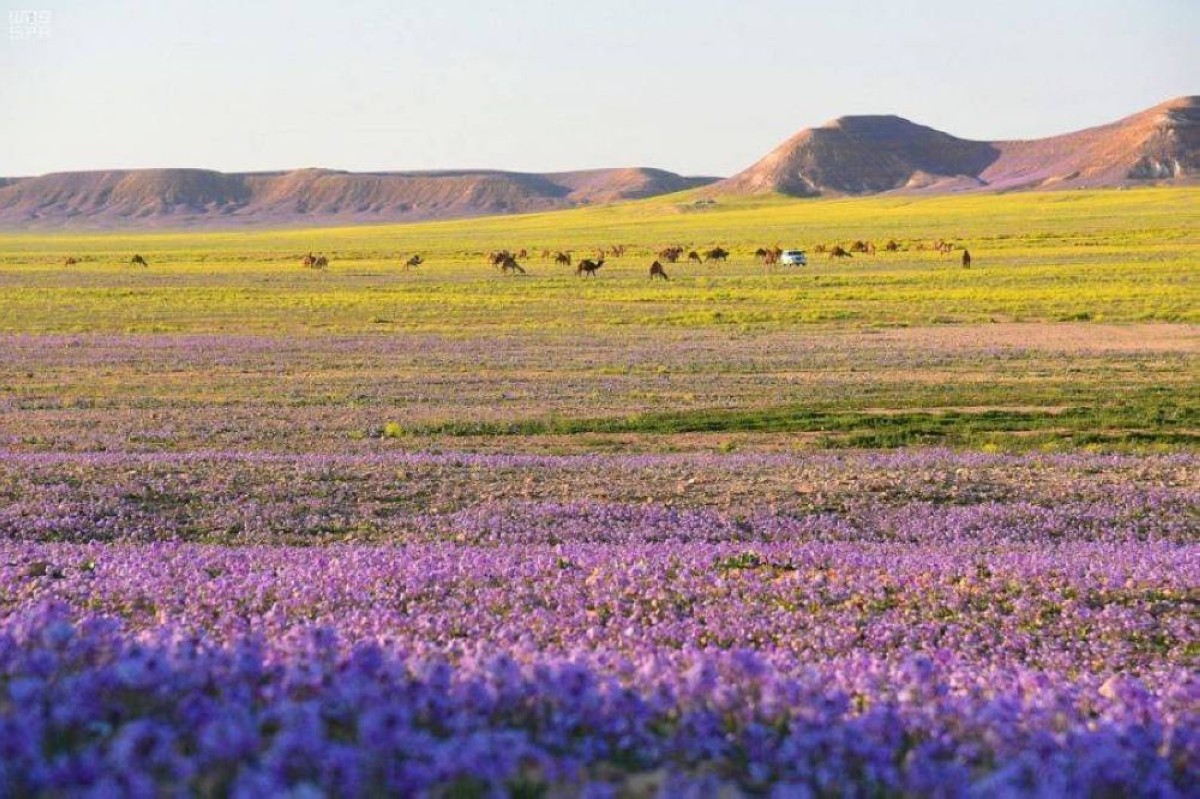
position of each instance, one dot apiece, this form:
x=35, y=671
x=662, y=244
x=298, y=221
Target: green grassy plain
x=1103, y=256
x=1075, y=327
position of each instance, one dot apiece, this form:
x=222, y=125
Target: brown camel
x=717, y=254
x=656, y=270
x=694, y=256
x=670, y=254
x=138, y=260
x=563, y=259
x=870, y=248
x=820, y=248
x=70, y=261
x=966, y=259
x=588, y=267
x=509, y=264
x=309, y=260
x=769, y=255
x=415, y=261
x=321, y=262
x=839, y=252
x=892, y=246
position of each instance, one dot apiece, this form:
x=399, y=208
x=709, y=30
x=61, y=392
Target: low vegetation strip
x=507, y=499
x=1165, y=422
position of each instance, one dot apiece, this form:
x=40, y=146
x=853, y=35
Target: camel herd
x=940, y=246
x=838, y=250
x=315, y=261
x=508, y=261
x=673, y=253
x=589, y=267
x=768, y=256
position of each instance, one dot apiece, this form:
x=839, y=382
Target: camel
x=589, y=267
x=656, y=270
x=545, y=255
x=820, y=248
x=509, y=264
x=892, y=246
x=694, y=257
x=70, y=261
x=523, y=254
x=670, y=254
x=416, y=260
x=768, y=255
x=966, y=259
x=321, y=262
x=858, y=246
x=497, y=257
x=870, y=248
x=563, y=259
x=716, y=254
x=309, y=260
x=839, y=252
x=617, y=250
x=138, y=260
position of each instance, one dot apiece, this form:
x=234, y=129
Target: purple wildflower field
x=910, y=623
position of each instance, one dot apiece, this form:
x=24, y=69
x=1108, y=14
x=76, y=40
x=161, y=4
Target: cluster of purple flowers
x=899, y=624
x=670, y=668
x=93, y=707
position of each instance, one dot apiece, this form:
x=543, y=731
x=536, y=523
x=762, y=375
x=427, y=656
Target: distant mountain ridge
x=873, y=154
x=852, y=155
x=200, y=197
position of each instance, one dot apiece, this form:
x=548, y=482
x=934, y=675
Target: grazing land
x=1076, y=325
x=878, y=526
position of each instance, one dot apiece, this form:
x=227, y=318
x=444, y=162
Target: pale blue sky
x=695, y=86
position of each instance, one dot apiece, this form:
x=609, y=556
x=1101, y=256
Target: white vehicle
x=793, y=258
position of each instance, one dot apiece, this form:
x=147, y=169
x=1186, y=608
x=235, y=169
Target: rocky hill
x=198, y=197
x=871, y=154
